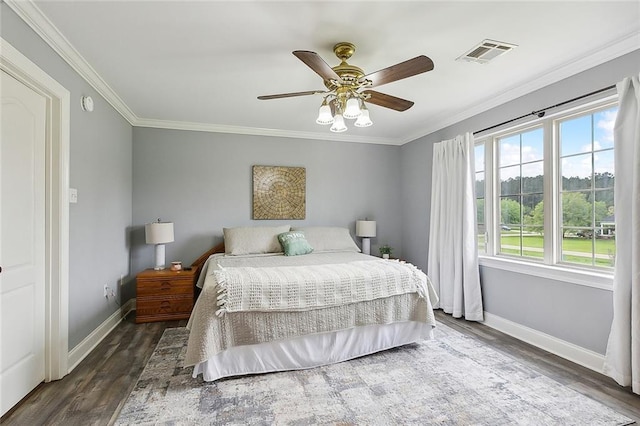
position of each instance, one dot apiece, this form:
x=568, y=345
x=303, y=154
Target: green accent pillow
x=294, y=243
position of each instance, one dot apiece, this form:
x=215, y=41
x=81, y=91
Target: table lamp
x=159, y=233
x=366, y=229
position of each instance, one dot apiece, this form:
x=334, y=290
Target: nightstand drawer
x=158, y=287
x=163, y=309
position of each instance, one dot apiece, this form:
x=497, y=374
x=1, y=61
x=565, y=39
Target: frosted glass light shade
x=366, y=228
x=324, y=115
x=338, y=124
x=158, y=232
x=363, y=120
x=353, y=108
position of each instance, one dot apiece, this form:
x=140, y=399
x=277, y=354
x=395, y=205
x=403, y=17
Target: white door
x=22, y=240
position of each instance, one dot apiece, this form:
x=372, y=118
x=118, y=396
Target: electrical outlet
x=106, y=290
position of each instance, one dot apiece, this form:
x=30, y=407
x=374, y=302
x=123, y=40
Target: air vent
x=486, y=51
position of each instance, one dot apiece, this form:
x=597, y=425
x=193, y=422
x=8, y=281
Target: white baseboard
x=562, y=348
x=77, y=354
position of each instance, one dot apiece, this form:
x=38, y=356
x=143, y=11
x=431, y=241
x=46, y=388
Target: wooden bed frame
x=199, y=262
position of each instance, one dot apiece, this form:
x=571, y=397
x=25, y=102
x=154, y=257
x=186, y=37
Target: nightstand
x=164, y=295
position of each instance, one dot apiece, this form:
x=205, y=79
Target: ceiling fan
x=349, y=87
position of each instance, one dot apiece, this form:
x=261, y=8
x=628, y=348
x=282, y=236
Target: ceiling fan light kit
x=348, y=87
x=347, y=104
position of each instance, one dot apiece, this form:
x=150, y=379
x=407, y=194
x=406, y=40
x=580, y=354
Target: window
x=545, y=190
x=479, y=163
x=586, y=188
x=520, y=173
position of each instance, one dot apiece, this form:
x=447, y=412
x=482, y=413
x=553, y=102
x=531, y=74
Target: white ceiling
x=201, y=64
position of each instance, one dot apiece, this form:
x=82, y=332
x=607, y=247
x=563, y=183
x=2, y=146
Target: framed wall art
x=279, y=192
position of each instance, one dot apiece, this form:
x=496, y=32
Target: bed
x=266, y=305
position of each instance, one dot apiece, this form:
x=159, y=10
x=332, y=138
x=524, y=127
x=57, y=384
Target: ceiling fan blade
x=387, y=101
x=405, y=69
x=291, y=95
x=316, y=63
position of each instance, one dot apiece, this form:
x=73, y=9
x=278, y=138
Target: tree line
x=577, y=207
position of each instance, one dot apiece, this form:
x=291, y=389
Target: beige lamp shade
x=159, y=232
x=366, y=228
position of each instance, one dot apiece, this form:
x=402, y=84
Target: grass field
x=583, y=245
x=572, y=248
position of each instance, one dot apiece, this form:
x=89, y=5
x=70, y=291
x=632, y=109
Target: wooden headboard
x=199, y=262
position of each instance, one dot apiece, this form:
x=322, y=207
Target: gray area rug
x=452, y=380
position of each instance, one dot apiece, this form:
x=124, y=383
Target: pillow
x=328, y=238
x=294, y=244
x=253, y=240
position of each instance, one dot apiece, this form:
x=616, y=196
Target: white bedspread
x=302, y=288
x=211, y=334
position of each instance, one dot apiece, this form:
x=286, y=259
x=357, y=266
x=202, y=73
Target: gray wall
x=100, y=168
x=203, y=182
x=578, y=314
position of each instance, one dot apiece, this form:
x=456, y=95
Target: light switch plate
x=73, y=195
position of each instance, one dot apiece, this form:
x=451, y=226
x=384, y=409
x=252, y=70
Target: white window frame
x=486, y=234
x=550, y=266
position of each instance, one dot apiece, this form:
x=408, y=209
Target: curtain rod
x=540, y=113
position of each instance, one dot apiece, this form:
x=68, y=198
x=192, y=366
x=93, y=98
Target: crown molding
x=33, y=16
x=625, y=44
x=256, y=131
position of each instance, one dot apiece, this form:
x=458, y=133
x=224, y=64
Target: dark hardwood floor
x=95, y=391
x=581, y=379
